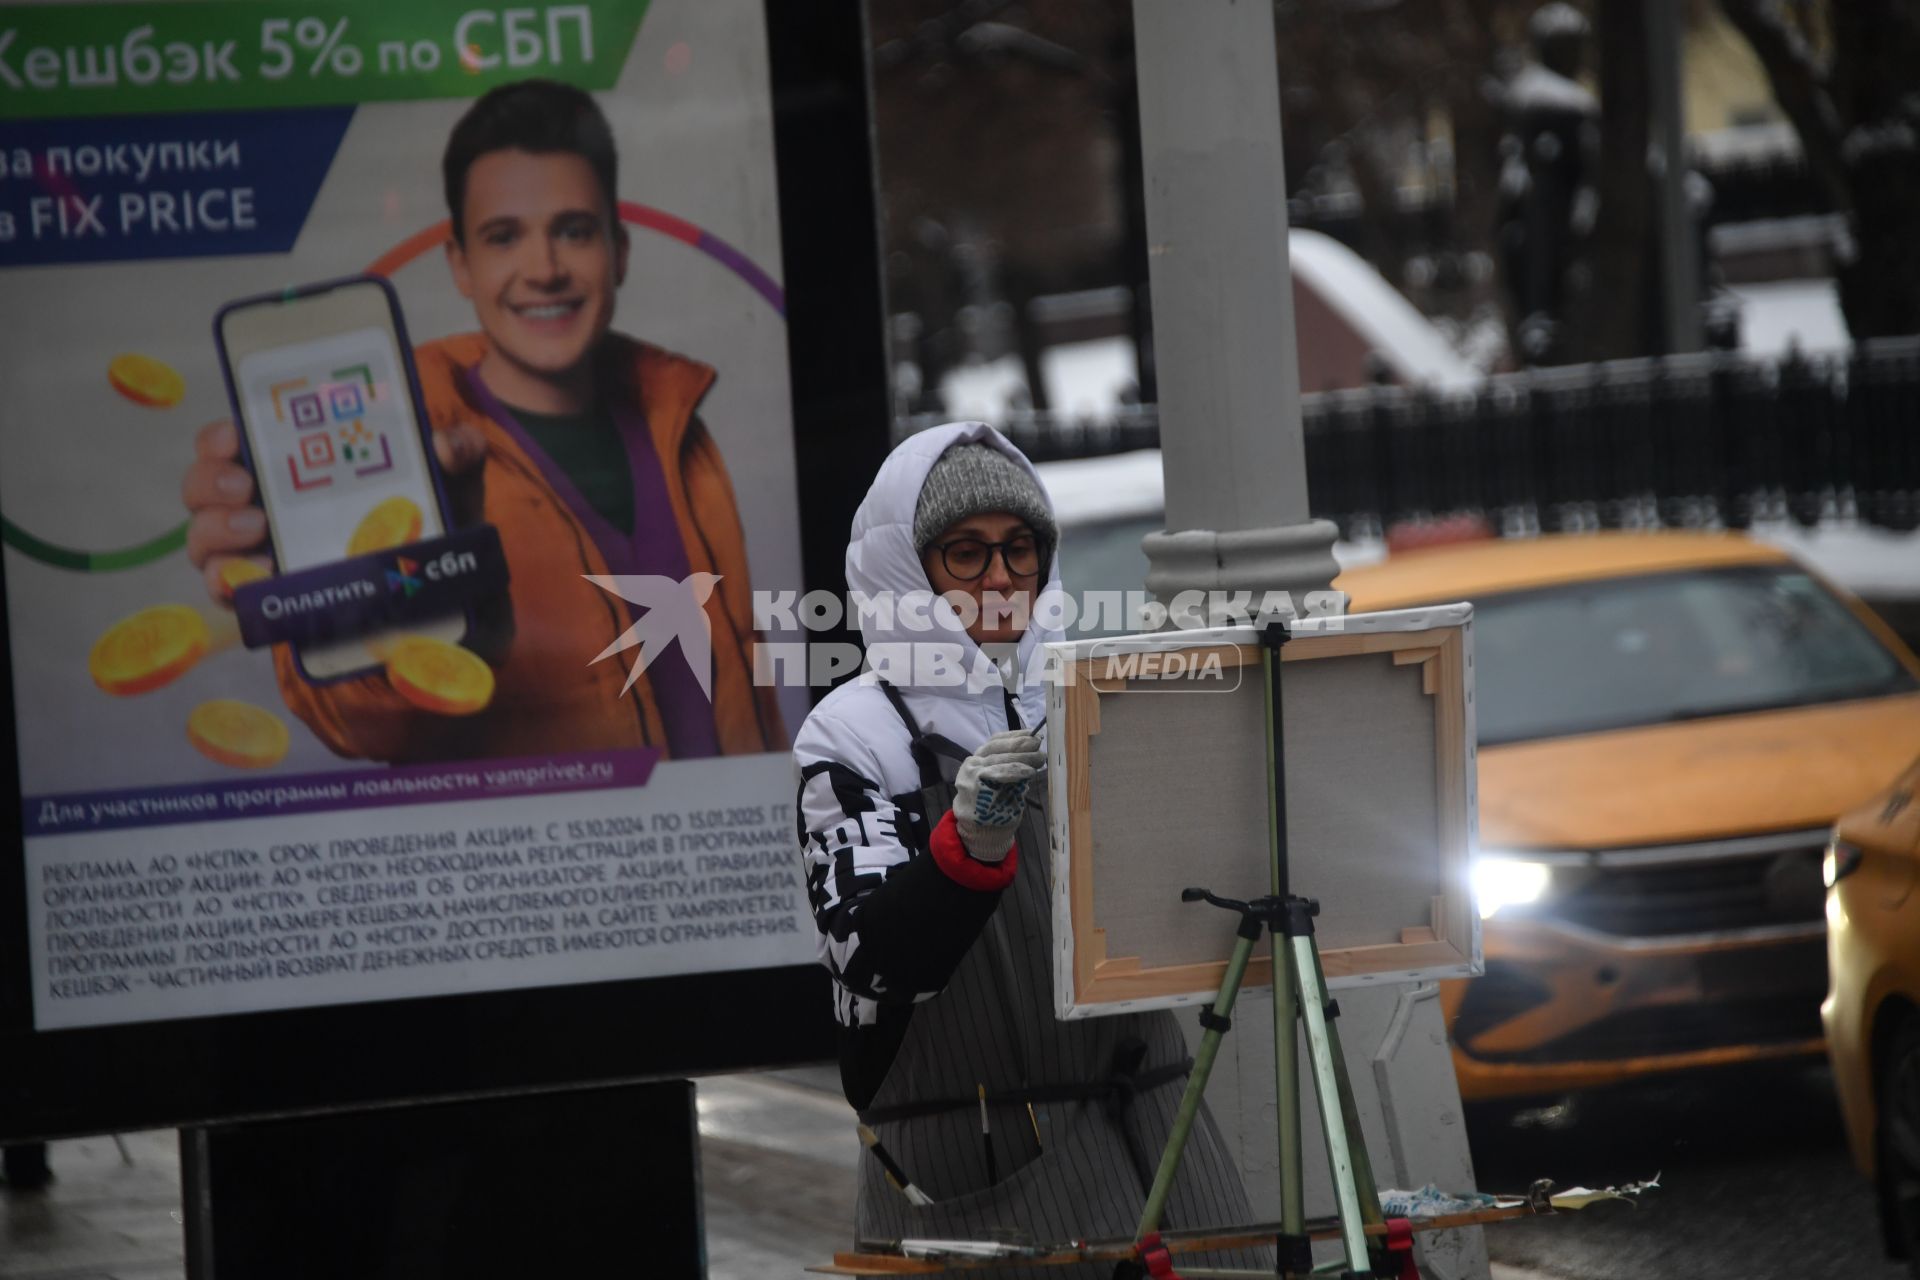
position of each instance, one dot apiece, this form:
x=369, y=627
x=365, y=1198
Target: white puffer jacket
x=898, y=945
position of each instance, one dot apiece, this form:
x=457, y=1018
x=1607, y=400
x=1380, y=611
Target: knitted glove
x=991, y=792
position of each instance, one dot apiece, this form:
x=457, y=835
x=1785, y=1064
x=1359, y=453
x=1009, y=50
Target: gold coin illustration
x=239, y=571
x=439, y=677
x=392, y=523
x=149, y=649
x=144, y=380
x=237, y=734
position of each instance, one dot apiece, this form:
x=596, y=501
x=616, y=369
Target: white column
x=1224, y=343
x=1237, y=520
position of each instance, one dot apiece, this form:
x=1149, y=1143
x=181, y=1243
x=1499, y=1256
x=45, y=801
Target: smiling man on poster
x=580, y=445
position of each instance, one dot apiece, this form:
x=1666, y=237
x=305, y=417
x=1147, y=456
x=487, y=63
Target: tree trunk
x=1859, y=129
x=1477, y=128
x=1611, y=303
x=1876, y=46
x=1799, y=89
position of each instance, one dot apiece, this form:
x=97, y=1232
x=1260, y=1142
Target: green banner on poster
x=112, y=59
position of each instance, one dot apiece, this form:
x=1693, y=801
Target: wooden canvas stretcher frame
x=1437, y=642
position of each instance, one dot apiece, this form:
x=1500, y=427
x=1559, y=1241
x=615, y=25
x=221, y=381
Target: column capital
x=1295, y=558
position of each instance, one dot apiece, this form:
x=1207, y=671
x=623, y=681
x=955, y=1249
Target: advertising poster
x=396, y=429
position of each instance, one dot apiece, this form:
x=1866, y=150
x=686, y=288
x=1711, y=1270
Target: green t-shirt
x=588, y=448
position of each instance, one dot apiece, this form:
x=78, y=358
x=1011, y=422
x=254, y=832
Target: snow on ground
x=1085, y=379
x=1121, y=486
x=983, y=389
x=1780, y=313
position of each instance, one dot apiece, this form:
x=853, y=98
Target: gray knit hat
x=973, y=478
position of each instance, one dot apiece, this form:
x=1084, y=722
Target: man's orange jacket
x=550, y=695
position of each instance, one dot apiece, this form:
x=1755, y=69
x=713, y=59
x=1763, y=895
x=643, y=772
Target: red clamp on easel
x=1155, y=1258
x=1400, y=1242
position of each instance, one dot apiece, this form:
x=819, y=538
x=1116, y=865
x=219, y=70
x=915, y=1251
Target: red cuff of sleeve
x=951, y=856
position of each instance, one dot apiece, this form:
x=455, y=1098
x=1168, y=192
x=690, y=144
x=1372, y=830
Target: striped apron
x=1077, y=1112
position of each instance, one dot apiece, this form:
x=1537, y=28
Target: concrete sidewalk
x=778, y=1154
x=777, y=1164
x=103, y=1218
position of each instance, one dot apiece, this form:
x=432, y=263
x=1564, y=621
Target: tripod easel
x=1299, y=997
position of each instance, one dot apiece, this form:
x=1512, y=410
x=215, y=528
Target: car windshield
x=1673, y=646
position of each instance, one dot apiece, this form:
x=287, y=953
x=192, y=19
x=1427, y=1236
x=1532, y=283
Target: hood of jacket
x=920, y=626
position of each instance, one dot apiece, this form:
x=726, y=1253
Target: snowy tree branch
x=1799, y=86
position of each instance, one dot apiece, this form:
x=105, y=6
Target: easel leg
x=1295, y=1249
x=1350, y=1114
x=1301, y=1005
x=1299, y=1002
x=1328, y=1078
x=1216, y=1023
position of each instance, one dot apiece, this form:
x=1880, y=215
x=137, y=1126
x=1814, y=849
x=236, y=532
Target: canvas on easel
x=1159, y=780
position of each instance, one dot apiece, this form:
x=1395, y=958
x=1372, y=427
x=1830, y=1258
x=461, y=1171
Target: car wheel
x=1897, y=1139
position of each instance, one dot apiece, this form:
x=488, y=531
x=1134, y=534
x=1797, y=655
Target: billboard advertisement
x=396, y=428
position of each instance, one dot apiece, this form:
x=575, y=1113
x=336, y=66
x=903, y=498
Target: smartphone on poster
x=331, y=424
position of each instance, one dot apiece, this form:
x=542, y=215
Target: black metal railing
x=1685, y=442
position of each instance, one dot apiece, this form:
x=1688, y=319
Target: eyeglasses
x=968, y=558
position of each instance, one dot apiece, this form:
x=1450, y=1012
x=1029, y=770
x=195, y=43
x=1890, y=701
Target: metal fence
x=1686, y=442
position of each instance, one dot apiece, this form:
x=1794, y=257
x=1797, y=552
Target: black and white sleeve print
x=892, y=926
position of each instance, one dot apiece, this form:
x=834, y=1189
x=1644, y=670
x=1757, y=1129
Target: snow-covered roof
x=1409, y=343
x=1877, y=563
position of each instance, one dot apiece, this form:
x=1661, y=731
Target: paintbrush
x=895, y=1174
x=986, y=1139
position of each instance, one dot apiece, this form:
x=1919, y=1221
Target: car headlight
x=1500, y=882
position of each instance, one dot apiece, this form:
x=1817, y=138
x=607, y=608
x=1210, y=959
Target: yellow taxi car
x=1872, y=1009
x=1669, y=723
